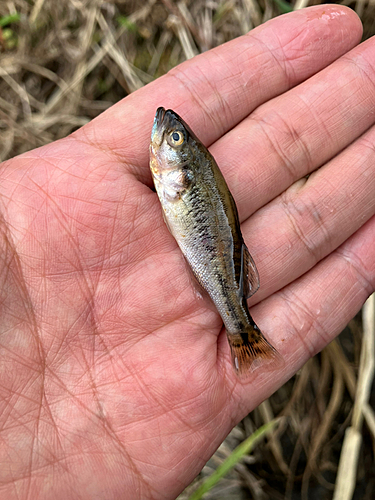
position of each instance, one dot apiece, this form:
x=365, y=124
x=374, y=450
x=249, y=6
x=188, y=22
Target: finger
x=311, y=219
x=294, y=134
x=303, y=318
x=216, y=90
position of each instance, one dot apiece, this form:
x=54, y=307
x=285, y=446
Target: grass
x=61, y=64
x=234, y=458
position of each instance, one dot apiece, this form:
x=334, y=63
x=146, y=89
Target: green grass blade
x=284, y=7
x=129, y=25
x=12, y=18
x=242, y=449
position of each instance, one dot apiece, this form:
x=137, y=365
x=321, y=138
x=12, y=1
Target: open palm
x=115, y=376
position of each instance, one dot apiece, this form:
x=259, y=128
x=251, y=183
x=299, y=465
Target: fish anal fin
x=249, y=348
x=249, y=277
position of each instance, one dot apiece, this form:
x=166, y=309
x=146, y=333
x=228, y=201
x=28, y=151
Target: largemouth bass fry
x=201, y=214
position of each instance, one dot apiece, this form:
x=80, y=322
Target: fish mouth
x=164, y=121
x=159, y=117
x=158, y=129
x=166, y=118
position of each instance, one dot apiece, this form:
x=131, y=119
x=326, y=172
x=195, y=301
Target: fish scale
x=201, y=215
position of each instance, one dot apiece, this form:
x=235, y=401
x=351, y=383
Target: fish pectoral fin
x=166, y=222
x=249, y=277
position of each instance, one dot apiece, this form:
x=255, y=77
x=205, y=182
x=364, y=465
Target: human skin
x=115, y=377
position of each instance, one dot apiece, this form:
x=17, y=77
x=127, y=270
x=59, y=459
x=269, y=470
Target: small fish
x=201, y=214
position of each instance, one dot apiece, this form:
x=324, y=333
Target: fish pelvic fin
x=248, y=348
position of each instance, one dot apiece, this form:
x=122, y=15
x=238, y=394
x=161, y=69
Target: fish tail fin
x=249, y=347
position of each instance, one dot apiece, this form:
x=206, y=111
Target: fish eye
x=176, y=138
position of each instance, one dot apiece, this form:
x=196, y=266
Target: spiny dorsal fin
x=249, y=277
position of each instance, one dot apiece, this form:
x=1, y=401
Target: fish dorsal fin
x=249, y=277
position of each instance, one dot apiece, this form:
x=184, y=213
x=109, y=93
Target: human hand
x=116, y=380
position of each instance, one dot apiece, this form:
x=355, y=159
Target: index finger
x=217, y=89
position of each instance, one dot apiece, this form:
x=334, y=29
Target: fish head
x=172, y=142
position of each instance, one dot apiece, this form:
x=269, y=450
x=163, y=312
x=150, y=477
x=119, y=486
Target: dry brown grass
x=66, y=61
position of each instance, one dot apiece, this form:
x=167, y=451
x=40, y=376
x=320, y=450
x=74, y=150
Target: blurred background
x=64, y=62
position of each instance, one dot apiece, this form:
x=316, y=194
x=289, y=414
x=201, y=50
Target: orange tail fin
x=248, y=347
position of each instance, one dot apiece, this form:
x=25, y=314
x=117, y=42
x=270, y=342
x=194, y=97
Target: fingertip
x=332, y=29
x=347, y=19
x=343, y=23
